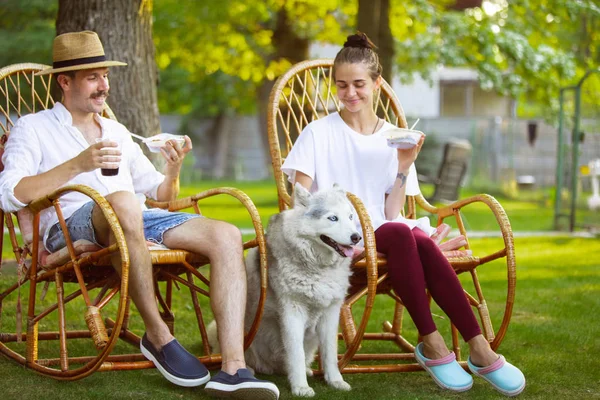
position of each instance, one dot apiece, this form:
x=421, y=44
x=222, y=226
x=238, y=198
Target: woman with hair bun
x=350, y=148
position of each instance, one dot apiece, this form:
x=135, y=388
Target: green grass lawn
x=554, y=336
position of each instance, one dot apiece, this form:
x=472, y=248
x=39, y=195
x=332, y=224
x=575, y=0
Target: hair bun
x=360, y=40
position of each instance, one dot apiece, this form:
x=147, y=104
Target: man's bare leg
x=222, y=244
x=141, y=287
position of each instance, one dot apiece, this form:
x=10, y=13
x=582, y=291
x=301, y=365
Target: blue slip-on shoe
x=502, y=375
x=243, y=385
x=176, y=363
x=446, y=371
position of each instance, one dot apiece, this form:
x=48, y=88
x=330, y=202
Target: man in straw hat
x=68, y=144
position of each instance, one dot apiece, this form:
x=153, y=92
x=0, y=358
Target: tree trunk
x=221, y=144
x=374, y=20
x=287, y=45
x=125, y=29
x=460, y=5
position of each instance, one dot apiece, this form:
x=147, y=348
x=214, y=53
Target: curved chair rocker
x=81, y=277
x=307, y=92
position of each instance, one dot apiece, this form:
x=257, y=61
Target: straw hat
x=78, y=50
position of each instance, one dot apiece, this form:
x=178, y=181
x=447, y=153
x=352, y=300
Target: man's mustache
x=100, y=94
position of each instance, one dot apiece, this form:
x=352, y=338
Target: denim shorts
x=156, y=223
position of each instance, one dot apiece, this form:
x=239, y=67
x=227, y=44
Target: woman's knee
x=425, y=243
x=400, y=230
x=393, y=230
x=392, y=236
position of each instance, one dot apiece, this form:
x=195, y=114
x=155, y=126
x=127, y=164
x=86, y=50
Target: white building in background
x=452, y=92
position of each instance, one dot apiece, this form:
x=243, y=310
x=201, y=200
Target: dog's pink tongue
x=348, y=250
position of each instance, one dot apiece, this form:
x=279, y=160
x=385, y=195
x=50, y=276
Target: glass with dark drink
x=110, y=171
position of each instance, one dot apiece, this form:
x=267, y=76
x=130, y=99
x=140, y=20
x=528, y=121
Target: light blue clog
x=502, y=375
x=446, y=372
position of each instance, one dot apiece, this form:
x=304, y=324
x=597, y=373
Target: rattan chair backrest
x=304, y=94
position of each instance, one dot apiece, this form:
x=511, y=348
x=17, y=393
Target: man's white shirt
x=42, y=141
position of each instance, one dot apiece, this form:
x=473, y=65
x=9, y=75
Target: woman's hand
x=406, y=157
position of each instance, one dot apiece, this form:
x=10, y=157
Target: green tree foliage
x=524, y=48
x=26, y=31
x=527, y=49
x=214, y=55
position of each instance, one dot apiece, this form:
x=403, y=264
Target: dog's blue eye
x=333, y=218
x=351, y=217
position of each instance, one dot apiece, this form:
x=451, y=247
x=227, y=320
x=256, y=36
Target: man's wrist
x=171, y=174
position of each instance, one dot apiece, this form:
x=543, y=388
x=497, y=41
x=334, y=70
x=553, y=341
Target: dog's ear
x=301, y=196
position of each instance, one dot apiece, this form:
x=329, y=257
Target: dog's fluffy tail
x=213, y=338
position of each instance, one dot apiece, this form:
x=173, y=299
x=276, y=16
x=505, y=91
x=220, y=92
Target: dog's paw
x=309, y=371
x=303, y=391
x=340, y=385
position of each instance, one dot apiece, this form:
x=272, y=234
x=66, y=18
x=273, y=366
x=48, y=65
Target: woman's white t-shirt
x=329, y=152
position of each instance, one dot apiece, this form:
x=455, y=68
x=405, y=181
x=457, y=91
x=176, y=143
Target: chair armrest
x=453, y=208
x=489, y=201
x=44, y=202
x=53, y=200
x=192, y=201
x=424, y=204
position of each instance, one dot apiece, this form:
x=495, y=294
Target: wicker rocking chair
x=305, y=93
x=80, y=277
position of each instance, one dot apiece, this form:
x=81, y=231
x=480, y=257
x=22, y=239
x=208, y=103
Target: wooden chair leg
x=62, y=324
x=32, y=342
x=482, y=308
x=166, y=314
x=347, y=324
x=32, y=325
x=398, y=317
x=455, y=342
x=127, y=314
x=198, y=311
x=170, y=319
x=395, y=327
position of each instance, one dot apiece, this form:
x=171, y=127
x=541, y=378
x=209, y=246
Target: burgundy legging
x=415, y=263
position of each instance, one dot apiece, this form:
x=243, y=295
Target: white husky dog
x=309, y=250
